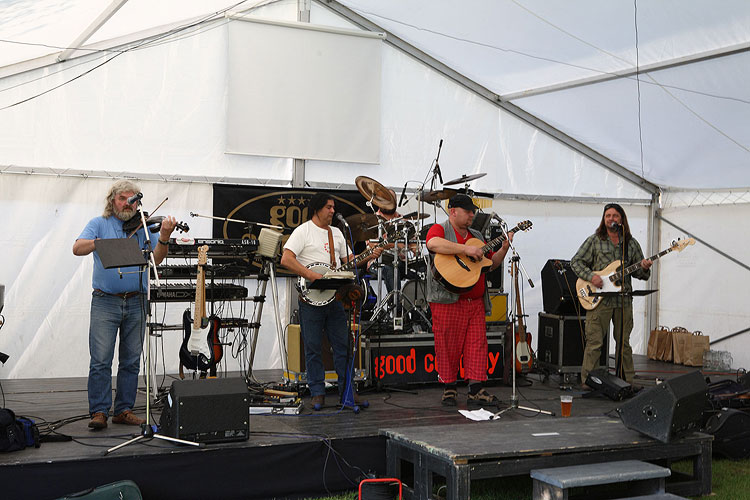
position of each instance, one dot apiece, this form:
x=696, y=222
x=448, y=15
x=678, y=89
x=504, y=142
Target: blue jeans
x=331, y=319
x=109, y=314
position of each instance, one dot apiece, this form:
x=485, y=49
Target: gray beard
x=124, y=215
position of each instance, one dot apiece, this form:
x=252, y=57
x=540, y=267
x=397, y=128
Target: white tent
x=565, y=106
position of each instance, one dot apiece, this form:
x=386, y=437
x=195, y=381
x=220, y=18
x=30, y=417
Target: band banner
x=278, y=206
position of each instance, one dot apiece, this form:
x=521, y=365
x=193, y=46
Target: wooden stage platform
x=318, y=452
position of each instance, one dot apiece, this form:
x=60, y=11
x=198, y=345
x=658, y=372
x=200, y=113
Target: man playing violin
x=458, y=320
x=118, y=303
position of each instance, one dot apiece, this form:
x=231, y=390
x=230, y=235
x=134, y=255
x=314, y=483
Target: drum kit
x=406, y=258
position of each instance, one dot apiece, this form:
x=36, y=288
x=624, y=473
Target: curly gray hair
x=121, y=186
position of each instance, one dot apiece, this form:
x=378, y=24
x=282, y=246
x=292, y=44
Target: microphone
x=134, y=198
x=341, y=219
x=403, y=196
x=437, y=165
x=615, y=226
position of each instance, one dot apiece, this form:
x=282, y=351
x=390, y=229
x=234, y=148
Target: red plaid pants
x=460, y=329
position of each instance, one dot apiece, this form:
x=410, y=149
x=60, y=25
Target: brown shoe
x=449, y=397
x=128, y=418
x=98, y=420
x=482, y=398
x=318, y=402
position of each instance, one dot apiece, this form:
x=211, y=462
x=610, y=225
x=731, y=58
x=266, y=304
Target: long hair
x=601, y=231
x=317, y=202
x=121, y=186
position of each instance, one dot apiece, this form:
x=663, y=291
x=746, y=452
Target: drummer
x=386, y=259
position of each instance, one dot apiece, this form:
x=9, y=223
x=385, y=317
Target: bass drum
x=416, y=293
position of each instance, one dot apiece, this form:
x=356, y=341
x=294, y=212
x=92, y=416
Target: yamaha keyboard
x=185, y=292
x=188, y=271
x=217, y=247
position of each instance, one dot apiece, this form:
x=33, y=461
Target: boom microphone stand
x=147, y=431
x=515, y=261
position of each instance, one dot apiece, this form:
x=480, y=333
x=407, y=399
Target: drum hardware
x=363, y=226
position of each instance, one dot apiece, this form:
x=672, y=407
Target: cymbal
x=415, y=216
x=433, y=196
x=380, y=195
x=464, y=179
x=363, y=226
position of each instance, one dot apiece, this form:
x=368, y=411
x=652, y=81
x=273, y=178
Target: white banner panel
x=299, y=91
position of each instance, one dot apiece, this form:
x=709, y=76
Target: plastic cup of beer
x=566, y=404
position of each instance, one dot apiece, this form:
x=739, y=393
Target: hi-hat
x=433, y=196
x=380, y=195
x=363, y=226
x=464, y=179
x=415, y=216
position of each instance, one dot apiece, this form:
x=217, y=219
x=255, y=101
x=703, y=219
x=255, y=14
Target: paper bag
x=664, y=347
x=695, y=345
x=657, y=339
x=679, y=339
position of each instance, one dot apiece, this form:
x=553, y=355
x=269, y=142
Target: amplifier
x=211, y=410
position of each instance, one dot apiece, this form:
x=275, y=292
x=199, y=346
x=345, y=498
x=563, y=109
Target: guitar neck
x=200, y=298
x=361, y=257
x=497, y=242
x=633, y=268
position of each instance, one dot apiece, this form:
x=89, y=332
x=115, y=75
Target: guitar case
x=731, y=430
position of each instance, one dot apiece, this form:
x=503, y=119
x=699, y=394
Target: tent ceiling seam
x=490, y=96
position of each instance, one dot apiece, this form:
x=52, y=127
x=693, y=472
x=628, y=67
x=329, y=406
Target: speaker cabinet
x=559, y=289
x=212, y=410
x=613, y=387
x=668, y=410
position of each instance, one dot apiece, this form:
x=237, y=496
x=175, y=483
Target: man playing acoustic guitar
x=458, y=319
x=597, y=252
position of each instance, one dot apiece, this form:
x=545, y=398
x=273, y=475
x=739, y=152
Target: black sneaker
x=482, y=398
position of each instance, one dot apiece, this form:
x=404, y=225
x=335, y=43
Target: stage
x=302, y=455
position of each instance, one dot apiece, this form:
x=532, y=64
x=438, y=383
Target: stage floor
x=304, y=441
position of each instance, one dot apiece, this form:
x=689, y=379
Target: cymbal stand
x=147, y=430
x=514, y=263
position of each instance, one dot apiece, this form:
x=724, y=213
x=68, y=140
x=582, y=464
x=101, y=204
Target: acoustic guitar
x=612, y=277
x=458, y=272
x=201, y=348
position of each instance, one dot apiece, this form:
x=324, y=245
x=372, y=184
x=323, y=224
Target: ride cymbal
x=415, y=216
x=380, y=195
x=433, y=196
x=464, y=179
x=363, y=226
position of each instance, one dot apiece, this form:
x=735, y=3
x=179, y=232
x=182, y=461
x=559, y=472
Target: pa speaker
x=559, y=288
x=615, y=388
x=668, y=410
x=211, y=410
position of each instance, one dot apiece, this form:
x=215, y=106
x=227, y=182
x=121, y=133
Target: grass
x=730, y=481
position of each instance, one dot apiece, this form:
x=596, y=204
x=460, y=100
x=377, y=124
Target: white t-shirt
x=310, y=244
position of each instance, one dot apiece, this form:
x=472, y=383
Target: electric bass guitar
x=524, y=361
x=612, y=277
x=458, y=272
x=317, y=295
x=201, y=348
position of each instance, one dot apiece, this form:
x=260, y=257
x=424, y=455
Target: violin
x=153, y=223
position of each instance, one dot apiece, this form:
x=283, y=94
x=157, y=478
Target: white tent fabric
x=158, y=113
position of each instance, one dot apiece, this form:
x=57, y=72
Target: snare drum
x=416, y=293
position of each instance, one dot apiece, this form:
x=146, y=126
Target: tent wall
x=699, y=288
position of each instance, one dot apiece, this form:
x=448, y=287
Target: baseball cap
x=462, y=201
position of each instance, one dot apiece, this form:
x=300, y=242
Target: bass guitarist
x=458, y=319
x=316, y=241
x=597, y=252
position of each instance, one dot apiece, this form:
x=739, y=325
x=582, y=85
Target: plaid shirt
x=595, y=254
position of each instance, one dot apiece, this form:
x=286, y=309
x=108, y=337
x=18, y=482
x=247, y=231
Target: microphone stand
x=147, y=430
x=619, y=352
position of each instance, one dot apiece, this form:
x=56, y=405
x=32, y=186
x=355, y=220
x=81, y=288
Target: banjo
x=322, y=291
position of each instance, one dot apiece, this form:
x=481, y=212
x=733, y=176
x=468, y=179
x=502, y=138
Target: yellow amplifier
x=295, y=355
x=499, y=308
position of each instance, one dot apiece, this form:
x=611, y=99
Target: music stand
x=125, y=252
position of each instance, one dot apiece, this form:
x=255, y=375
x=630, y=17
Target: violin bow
x=140, y=224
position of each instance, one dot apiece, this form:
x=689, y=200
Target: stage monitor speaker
x=615, y=388
x=668, y=410
x=559, y=289
x=211, y=410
